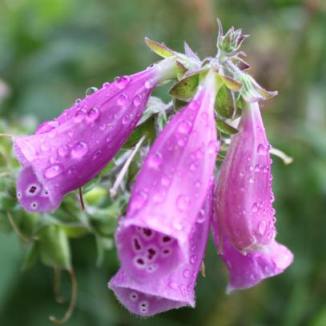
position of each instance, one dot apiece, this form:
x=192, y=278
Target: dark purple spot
x=140, y=261
x=32, y=189
x=166, y=251
x=147, y=232
x=137, y=245
x=166, y=239
x=151, y=253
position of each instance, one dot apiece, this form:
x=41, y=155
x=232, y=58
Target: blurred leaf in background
x=51, y=51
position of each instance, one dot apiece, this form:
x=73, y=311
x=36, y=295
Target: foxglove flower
x=169, y=290
x=169, y=191
x=247, y=270
x=244, y=194
x=67, y=152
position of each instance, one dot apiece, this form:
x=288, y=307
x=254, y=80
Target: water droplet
x=212, y=147
x=251, y=180
x=186, y=273
x=193, y=166
x=197, y=184
x=79, y=116
x=93, y=114
x=78, y=101
x=96, y=155
x=106, y=84
x=79, y=150
x=138, y=200
x=155, y=160
x=183, y=202
x=63, y=151
x=254, y=208
x=149, y=84
x=201, y=216
x=181, y=141
x=90, y=90
x=261, y=149
x=137, y=101
x=204, y=117
x=44, y=147
x=126, y=119
x=122, y=81
x=184, y=127
x=173, y=285
x=122, y=100
x=193, y=259
x=178, y=225
x=159, y=197
x=53, y=171
x=165, y=181
x=262, y=227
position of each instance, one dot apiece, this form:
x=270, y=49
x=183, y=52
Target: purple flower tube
x=169, y=191
x=67, y=152
x=170, y=290
x=244, y=193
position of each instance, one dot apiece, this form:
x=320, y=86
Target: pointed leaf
x=54, y=247
x=225, y=128
x=159, y=48
x=186, y=88
x=224, y=102
x=230, y=83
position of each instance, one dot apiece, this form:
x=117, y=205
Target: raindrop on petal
x=53, y=171
x=79, y=150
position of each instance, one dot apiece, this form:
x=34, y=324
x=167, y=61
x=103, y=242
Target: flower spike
x=67, y=152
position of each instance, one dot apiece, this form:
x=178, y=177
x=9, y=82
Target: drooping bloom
x=170, y=290
x=67, y=152
x=243, y=221
x=169, y=191
x=244, y=193
x=247, y=270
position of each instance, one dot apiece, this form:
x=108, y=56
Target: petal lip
x=249, y=269
x=170, y=289
x=246, y=271
x=159, y=303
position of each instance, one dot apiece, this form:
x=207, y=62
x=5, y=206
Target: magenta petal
x=244, y=191
x=32, y=195
x=67, y=152
x=248, y=270
x=169, y=290
x=170, y=189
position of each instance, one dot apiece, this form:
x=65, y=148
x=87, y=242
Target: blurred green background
x=52, y=50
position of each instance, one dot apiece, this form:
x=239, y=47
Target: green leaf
x=54, y=247
x=95, y=196
x=252, y=91
x=186, y=88
x=159, y=48
x=225, y=128
x=230, y=83
x=224, y=102
x=31, y=256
